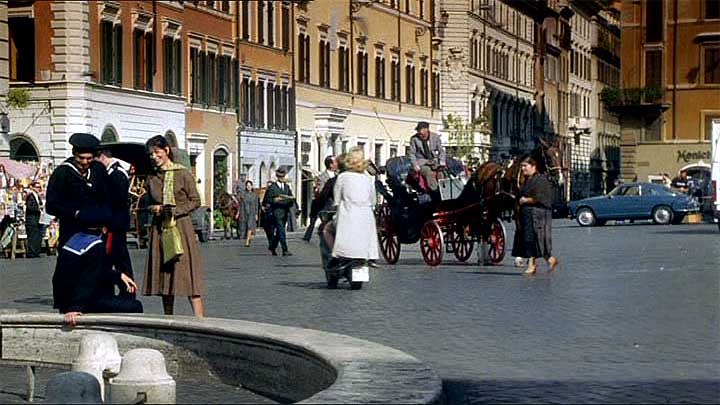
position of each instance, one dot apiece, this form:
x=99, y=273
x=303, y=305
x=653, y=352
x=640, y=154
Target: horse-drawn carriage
x=409, y=214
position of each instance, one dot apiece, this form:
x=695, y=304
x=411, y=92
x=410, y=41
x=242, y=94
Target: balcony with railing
x=634, y=100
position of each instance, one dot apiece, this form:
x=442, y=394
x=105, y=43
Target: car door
x=649, y=199
x=626, y=203
x=633, y=201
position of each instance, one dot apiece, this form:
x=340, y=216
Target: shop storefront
x=657, y=159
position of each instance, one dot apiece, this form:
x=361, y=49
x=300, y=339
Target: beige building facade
x=366, y=73
x=670, y=85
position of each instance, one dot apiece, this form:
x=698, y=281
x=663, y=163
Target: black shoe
x=274, y=253
x=286, y=253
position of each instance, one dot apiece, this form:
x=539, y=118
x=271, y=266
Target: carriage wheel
x=387, y=238
x=431, y=243
x=462, y=243
x=496, y=250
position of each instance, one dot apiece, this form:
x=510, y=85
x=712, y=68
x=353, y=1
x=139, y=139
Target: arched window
x=23, y=149
x=171, y=138
x=109, y=135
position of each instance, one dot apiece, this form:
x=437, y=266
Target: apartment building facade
x=593, y=131
x=267, y=93
x=670, y=85
x=487, y=74
x=366, y=73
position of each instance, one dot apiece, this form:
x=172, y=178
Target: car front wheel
x=585, y=217
x=662, y=215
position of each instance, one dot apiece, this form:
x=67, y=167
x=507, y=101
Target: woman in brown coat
x=183, y=276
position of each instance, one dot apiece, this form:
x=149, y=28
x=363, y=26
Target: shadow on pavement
x=38, y=300
x=549, y=391
x=703, y=231
x=490, y=273
x=308, y=285
x=301, y=265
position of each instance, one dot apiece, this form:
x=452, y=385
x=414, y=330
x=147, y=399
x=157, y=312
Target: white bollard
x=73, y=387
x=98, y=352
x=142, y=374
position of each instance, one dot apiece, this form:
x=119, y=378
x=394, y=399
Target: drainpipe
x=352, y=54
x=236, y=90
x=675, y=44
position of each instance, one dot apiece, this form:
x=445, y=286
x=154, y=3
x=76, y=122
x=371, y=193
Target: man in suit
x=279, y=199
x=32, y=221
x=427, y=154
x=325, y=176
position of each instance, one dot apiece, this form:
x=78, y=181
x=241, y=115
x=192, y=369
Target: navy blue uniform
x=81, y=204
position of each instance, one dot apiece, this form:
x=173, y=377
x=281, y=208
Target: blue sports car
x=634, y=201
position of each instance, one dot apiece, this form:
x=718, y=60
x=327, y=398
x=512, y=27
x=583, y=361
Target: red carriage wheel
x=463, y=243
x=387, y=237
x=496, y=250
x=431, y=243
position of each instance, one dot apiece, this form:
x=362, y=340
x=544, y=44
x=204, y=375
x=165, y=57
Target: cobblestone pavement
x=632, y=314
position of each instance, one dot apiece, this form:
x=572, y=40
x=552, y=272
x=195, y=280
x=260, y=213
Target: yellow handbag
x=172, y=245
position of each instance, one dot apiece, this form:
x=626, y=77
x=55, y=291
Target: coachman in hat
x=427, y=154
x=77, y=195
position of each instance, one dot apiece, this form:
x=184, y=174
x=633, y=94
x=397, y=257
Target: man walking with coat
x=325, y=176
x=279, y=199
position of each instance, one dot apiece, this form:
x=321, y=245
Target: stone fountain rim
x=388, y=375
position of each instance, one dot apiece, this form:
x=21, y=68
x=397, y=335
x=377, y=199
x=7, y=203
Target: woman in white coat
x=354, y=195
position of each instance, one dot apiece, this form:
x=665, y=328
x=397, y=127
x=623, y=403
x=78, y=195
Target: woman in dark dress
x=249, y=212
x=536, y=198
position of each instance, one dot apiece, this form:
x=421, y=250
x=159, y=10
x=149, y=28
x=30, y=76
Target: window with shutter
x=117, y=57
x=270, y=105
x=285, y=26
x=277, y=123
x=260, y=22
x=653, y=69
x=270, y=23
x=245, y=19
x=654, y=20
x=177, y=64
x=711, y=66
x=260, y=121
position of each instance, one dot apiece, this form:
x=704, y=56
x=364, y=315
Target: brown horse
x=499, y=185
x=229, y=207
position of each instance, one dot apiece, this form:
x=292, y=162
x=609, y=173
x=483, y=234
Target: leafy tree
x=461, y=136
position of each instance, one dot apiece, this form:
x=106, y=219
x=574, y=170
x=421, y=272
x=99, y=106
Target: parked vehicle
x=634, y=201
x=355, y=271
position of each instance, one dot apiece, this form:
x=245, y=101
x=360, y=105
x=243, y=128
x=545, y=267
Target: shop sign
x=688, y=156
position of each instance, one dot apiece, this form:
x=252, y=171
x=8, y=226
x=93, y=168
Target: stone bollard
x=98, y=352
x=73, y=387
x=142, y=374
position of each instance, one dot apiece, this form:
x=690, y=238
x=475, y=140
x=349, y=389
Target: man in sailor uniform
x=119, y=199
x=77, y=195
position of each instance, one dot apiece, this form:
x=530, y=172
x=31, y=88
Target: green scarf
x=169, y=183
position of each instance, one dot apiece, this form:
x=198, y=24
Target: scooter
x=355, y=271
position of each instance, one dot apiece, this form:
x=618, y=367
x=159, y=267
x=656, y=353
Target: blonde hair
x=355, y=161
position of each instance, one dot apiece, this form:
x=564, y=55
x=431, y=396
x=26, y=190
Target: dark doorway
x=22, y=49
x=220, y=172
x=23, y=150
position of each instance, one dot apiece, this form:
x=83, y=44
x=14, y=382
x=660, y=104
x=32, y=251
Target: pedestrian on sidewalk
x=173, y=196
x=536, y=199
x=354, y=195
x=32, y=220
x=278, y=199
x=249, y=212
x=315, y=207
